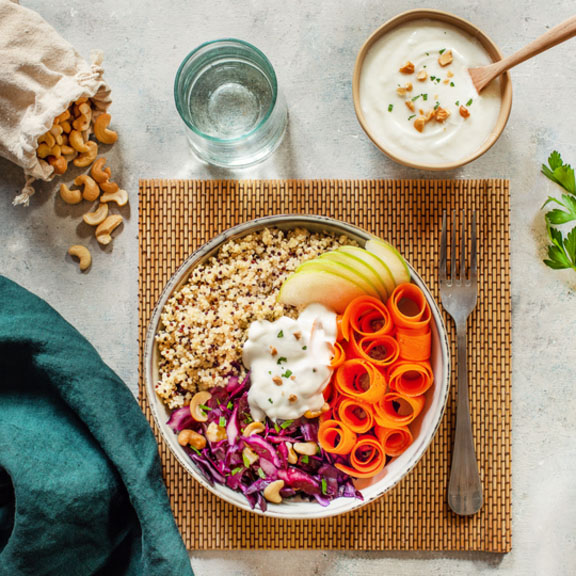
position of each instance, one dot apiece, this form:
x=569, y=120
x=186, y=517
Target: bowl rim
x=180, y=276
x=470, y=29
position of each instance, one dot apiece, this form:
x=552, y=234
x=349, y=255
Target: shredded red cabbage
x=312, y=477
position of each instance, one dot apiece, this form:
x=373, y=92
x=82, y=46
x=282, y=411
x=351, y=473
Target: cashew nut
x=215, y=433
x=83, y=255
x=120, y=197
x=56, y=131
x=109, y=187
x=67, y=150
x=292, y=456
x=96, y=217
x=48, y=138
x=91, y=190
x=191, y=438
x=104, y=231
x=70, y=196
x=62, y=117
x=253, y=428
x=306, y=448
x=316, y=413
x=199, y=399
x=272, y=491
x=86, y=158
x=60, y=164
x=81, y=100
x=76, y=140
x=98, y=172
x=249, y=456
x=43, y=150
x=83, y=121
x=66, y=127
x=101, y=130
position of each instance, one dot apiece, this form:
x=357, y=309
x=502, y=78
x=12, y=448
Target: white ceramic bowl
x=424, y=428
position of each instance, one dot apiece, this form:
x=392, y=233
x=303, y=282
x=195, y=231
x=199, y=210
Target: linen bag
x=41, y=75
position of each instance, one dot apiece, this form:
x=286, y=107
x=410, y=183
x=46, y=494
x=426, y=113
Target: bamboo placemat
x=177, y=216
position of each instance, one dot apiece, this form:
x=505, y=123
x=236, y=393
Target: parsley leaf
x=561, y=250
x=559, y=172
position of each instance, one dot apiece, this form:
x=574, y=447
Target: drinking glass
x=227, y=94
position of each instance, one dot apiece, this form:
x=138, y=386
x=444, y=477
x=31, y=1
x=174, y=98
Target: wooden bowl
x=467, y=28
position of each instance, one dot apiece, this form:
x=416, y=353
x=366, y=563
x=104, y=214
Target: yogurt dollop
x=418, y=99
x=289, y=363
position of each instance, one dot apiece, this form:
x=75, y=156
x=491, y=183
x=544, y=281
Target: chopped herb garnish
x=286, y=374
x=304, y=459
x=424, y=97
x=280, y=334
x=427, y=53
x=286, y=423
x=436, y=105
x=410, y=117
x=304, y=347
x=270, y=400
x=246, y=460
x=469, y=102
x=442, y=51
x=195, y=450
x=390, y=107
x=204, y=407
x=261, y=473
x=222, y=421
x=432, y=78
x=424, y=66
x=281, y=359
x=235, y=471
x=324, y=485
x=416, y=97
x=276, y=427
x=230, y=405
x=457, y=102
x=270, y=372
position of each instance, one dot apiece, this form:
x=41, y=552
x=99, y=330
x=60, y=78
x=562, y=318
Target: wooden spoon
x=483, y=75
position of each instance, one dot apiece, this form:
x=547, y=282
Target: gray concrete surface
x=313, y=47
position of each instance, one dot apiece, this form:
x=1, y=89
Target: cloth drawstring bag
x=41, y=75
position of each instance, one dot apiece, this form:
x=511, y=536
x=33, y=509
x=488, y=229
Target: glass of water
x=227, y=94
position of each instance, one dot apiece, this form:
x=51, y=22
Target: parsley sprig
x=562, y=249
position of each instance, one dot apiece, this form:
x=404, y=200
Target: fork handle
x=464, y=487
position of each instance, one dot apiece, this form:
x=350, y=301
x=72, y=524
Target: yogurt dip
x=289, y=363
x=418, y=99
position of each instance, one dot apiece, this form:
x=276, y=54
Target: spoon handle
x=560, y=33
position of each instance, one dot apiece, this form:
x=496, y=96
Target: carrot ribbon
x=358, y=379
x=395, y=410
x=410, y=378
x=367, y=458
x=356, y=415
x=335, y=437
x=394, y=441
x=366, y=316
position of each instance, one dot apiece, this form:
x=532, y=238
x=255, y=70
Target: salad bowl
x=424, y=428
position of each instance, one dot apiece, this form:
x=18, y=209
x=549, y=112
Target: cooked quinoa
x=205, y=324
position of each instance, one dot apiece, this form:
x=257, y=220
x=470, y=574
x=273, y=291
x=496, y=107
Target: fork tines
x=460, y=273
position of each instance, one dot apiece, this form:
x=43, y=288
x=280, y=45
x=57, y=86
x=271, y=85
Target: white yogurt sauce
x=448, y=87
x=289, y=363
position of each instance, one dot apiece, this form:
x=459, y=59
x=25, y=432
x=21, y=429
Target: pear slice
x=310, y=285
x=391, y=257
x=360, y=267
x=375, y=263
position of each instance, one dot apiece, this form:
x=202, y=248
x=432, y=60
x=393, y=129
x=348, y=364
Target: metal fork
x=459, y=293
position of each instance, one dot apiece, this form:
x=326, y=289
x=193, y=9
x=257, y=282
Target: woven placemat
x=178, y=216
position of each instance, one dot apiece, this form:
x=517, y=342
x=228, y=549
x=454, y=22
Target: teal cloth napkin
x=81, y=491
